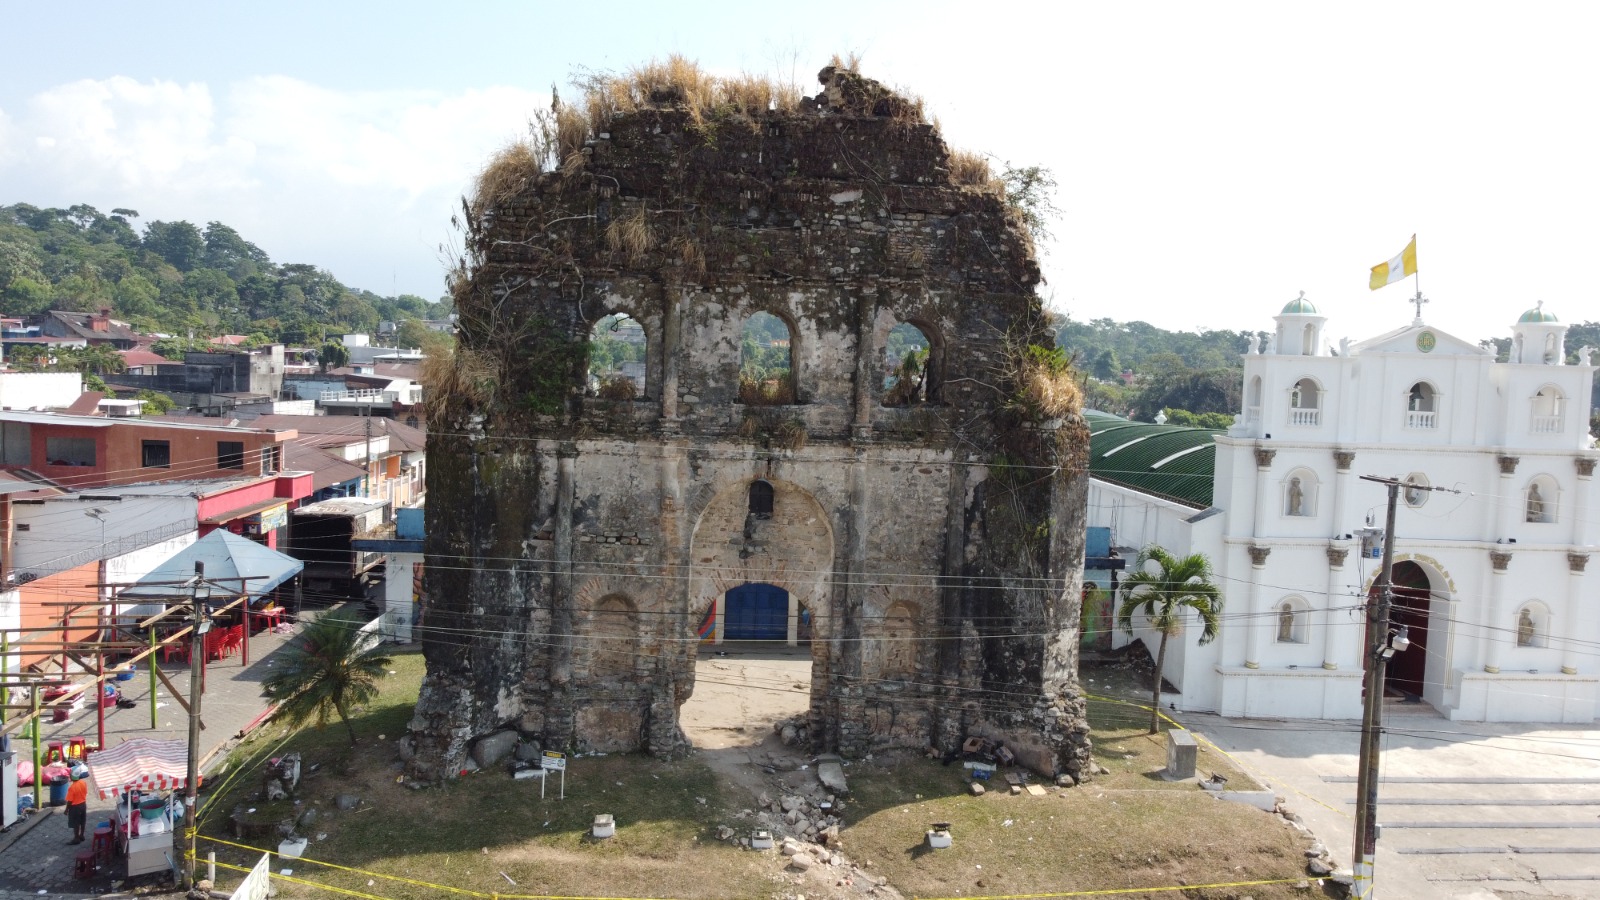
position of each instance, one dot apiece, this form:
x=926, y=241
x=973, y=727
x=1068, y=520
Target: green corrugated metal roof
x=1169, y=461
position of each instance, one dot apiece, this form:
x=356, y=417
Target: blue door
x=756, y=612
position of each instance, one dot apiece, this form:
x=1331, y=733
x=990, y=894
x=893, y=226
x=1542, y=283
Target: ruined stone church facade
x=580, y=548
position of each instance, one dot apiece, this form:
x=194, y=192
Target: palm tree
x=1163, y=594
x=330, y=668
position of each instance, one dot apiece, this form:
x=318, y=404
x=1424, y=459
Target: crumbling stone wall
x=575, y=543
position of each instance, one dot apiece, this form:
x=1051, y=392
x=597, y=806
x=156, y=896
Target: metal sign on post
x=557, y=761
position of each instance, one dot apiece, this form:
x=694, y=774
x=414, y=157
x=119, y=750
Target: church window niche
x=1305, y=400
x=912, y=364
x=1308, y=343
x=766, y=362
x=1422, y=406
x=1291, y=621
x=1547, y=411
x=1532, y=625
x=761, y=499
x=1252, y=402
x=1539, y=501
x=1300, y=493
x=618, y=350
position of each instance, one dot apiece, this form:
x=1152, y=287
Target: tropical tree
x=330, y=668
x=1162, y=586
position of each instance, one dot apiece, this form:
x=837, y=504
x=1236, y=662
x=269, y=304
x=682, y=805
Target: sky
x=1214, y=159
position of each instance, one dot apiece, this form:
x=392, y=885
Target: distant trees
x=177, y=278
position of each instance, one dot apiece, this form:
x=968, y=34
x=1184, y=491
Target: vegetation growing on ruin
x=1045, y=386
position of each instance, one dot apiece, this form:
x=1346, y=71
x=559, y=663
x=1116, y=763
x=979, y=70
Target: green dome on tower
x=1536, y=315
x=1300, y=306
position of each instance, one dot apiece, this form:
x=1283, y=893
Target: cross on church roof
x=1418, y=300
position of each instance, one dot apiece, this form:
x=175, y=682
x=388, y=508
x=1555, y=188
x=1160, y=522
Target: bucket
x=58, y=790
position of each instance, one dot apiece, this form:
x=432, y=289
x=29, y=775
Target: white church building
x=1491, y=576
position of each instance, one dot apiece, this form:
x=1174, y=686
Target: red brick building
x=80, y=452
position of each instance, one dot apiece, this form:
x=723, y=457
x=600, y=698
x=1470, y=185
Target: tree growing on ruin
x=331, y=668
x=1162, y=586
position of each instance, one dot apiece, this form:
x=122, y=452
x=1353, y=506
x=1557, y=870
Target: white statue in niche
x=1536, y=504
x=1526, y=633
x=1286, y=623
x=1297, y=497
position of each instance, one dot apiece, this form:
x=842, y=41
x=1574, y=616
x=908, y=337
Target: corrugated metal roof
x=1169, y=461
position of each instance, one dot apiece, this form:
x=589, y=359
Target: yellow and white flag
x=1397, y=268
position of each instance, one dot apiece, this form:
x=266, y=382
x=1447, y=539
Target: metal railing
x=1547, y=425
x=371, y=395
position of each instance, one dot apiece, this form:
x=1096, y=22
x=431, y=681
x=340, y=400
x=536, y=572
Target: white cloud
x=362, y=182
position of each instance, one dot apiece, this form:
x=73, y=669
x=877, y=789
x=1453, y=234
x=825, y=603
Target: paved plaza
x=1469, y=810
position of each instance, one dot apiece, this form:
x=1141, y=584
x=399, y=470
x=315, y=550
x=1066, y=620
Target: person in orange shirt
x=78, y=808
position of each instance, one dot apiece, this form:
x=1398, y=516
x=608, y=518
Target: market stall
x=143, y=775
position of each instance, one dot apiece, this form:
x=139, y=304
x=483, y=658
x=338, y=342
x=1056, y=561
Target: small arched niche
x=1300, y=493
x=1292, y=621
x=618, y=352
x=1541, y=500
x=913, y=366
x=761, y=494
x=1532, y=625
x=614, y=636
x=766, y=361
x=899, y=642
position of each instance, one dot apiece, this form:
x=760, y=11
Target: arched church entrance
x=1407, y=671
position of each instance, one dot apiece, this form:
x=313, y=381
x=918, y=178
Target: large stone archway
x=791, y=547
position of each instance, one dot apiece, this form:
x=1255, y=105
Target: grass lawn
x=488, y=833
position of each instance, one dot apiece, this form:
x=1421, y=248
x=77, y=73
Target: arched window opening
x=1304, y=402
x=1540, y=500
x=1252, y=401
x=1548, y=409
x=761, y=499
x=615, y=633
x=1308, y=345
x=766, y=362
x=618, y=349
x=1422, y=406
x=1300, y=493
x=1532, y=626
x=911, y=370
x=1292, y=618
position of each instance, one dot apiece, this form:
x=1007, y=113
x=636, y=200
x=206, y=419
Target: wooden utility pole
x=197, y=652
x=1365, y=850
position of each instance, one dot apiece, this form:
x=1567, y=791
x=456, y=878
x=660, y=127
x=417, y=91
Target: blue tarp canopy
x=228, y=558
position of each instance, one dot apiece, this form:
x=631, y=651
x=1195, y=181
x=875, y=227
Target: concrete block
x=1183, y=752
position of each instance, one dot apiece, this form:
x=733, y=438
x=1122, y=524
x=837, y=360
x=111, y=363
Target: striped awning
x=142, y=764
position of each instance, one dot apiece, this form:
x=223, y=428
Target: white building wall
x=39, y=390
x=1277, y=542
